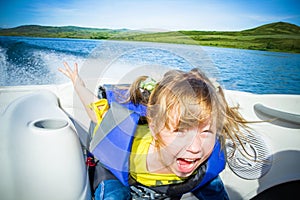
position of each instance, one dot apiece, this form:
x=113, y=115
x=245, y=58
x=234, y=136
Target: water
x=34, y=61
x=258, y=71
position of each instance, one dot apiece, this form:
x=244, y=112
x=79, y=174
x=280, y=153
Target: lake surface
x=34, y=61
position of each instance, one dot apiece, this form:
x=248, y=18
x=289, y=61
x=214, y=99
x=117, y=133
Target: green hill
x=274, y=28
x=61, y=32
x=283, y=37
x=280, y=36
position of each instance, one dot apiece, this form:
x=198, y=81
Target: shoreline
x=273, y=37
x=165, y=42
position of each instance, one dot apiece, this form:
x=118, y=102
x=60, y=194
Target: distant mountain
x=275, y=28
x=61, y=32
x=279, y=36
x=81, y=32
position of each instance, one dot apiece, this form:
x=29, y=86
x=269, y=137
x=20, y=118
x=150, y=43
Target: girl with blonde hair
x=180, y=148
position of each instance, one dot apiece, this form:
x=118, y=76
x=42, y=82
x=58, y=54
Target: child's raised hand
x=70, y=73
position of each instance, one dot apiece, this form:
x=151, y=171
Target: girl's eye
x=206, y=133
x=179, y=133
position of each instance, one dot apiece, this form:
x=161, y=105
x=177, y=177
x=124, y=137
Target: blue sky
x=216, y=15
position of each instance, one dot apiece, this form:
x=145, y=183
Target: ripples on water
x=34, y=61
x=258, y=71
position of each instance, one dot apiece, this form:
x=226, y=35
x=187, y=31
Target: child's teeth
x=189, y=160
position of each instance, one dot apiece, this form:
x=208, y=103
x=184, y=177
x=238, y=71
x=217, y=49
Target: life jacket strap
x=100, y=107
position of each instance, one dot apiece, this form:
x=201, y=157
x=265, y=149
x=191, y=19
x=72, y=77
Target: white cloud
x=264, y=18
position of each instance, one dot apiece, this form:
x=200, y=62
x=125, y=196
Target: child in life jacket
x=180, y=148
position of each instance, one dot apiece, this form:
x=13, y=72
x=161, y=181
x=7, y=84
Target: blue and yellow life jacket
x=112, y=143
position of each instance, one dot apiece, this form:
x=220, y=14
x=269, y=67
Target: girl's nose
x=196, y=144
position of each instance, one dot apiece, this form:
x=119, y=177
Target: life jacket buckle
x=90, y=162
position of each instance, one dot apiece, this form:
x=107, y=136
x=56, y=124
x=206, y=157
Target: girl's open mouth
x=186, y=165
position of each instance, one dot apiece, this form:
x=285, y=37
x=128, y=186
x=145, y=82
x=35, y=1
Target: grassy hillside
x=61, y=32
x=280, y=36
x=274, y=28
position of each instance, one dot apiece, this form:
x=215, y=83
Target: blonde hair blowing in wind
x=197, y=100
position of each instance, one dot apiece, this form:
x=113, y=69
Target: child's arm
x=85, y=95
